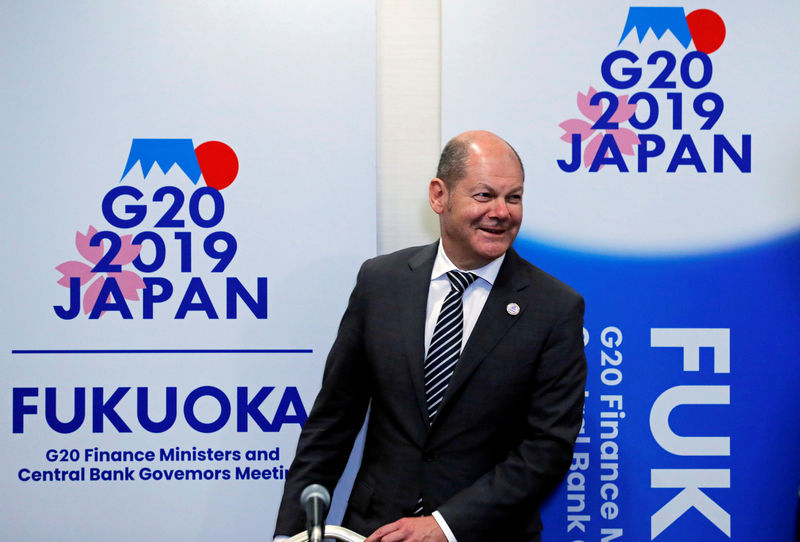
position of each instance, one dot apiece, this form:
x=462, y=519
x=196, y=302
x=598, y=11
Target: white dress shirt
x=473, y=299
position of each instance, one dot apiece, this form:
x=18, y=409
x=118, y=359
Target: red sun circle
x=707, y=30
x=218, y=163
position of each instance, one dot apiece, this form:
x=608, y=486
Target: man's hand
x=423, y=529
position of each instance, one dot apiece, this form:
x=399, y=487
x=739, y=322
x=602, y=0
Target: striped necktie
x=445, y=348
x=445, y=345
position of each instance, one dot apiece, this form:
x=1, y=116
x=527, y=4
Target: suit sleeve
x=535, y=467
x=334, y=421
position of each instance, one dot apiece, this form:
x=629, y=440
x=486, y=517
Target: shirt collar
x=442, y=265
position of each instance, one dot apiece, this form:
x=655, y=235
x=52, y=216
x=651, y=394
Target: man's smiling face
x=481, y=213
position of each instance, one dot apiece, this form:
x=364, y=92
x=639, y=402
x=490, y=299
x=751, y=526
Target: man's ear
x=437, y=193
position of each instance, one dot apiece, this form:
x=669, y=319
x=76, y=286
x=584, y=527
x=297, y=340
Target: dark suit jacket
x=504, y=435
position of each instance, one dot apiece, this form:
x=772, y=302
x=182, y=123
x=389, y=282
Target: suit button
x=428, y=456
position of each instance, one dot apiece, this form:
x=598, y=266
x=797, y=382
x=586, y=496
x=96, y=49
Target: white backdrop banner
x=660, y=146
x=189, y=190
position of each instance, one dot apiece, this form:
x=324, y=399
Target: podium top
x=334, y=532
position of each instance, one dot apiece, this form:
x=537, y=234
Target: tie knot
x=460, y=280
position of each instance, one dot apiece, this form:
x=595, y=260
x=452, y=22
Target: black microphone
x=315, y=499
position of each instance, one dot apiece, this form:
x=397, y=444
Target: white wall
x=409, y=120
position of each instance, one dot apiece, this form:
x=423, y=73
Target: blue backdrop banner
x=660, y=149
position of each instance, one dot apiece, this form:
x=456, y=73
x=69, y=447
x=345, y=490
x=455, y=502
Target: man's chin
x=492, y=251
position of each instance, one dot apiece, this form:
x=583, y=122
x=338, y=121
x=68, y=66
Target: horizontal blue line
x=172, y=351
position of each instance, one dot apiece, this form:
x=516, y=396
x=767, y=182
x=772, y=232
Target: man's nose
x=499, y=209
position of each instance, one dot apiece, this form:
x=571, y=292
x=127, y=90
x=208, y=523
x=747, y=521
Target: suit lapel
x=493, y=323
x=415, y=306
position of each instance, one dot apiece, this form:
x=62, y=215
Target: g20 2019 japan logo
x=122, y=269
x=667, y=114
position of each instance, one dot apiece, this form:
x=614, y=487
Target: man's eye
x=483, y=196
x=516, y=198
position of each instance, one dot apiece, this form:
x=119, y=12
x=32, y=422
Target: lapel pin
x=512, y=309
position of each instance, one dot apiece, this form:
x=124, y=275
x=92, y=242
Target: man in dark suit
x=475, y=462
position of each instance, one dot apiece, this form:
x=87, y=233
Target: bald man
x=471, y=361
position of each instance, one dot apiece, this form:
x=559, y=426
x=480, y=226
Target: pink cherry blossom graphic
x=129, y=282
x=624, y=138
